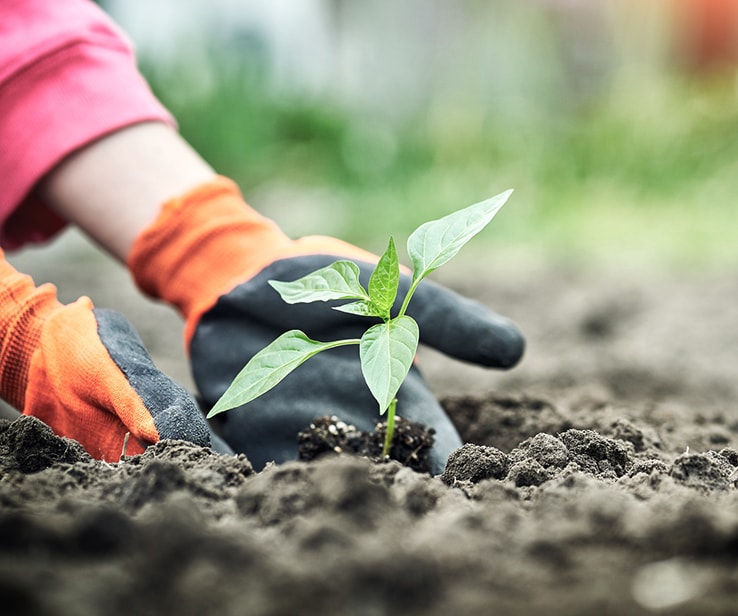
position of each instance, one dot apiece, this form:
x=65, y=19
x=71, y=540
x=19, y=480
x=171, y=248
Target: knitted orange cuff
x=202, y=244
x=24, y=309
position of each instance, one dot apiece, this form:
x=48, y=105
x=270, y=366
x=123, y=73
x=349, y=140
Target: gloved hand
x=85, y=372
x=211, y=255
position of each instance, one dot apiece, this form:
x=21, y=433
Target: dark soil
x=599, y=477
x=329, y=436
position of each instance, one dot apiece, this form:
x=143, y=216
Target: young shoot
x=386, y=349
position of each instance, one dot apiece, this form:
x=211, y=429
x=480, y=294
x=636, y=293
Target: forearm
x=114, y=187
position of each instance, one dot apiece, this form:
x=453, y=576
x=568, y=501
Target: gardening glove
x=85, y=373
x=210, y=255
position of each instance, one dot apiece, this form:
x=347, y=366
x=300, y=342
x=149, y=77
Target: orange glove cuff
x=207, y=241
x=23, y=311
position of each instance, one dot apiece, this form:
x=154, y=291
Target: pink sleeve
x=67, y=77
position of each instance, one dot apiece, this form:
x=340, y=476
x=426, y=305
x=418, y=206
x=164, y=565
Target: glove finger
x=459, y=327
x=173, y=410
x=465, y=329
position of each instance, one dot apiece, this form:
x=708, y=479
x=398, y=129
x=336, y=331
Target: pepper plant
x=386, y=349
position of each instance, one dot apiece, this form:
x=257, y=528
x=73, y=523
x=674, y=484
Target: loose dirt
x=599, y=477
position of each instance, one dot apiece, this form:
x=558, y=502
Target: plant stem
x=390, y=428
x=408, y=296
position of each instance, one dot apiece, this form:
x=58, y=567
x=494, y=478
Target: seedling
x=386, y=349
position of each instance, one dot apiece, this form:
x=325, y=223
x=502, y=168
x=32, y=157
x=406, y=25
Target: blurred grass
x=648, y=173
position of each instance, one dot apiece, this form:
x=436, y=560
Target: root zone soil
x=411, y=442
x=604, y=483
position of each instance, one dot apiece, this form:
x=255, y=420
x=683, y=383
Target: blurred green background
x=615, y=121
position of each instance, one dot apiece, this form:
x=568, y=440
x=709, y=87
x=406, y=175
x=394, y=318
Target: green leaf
x=387, y=351
x=362, y=308
x=436, y=242
x=269, y=366
x=384, y=281
x=339, y=280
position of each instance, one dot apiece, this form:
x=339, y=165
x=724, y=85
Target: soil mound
x=597, y=478
x=564, y=522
